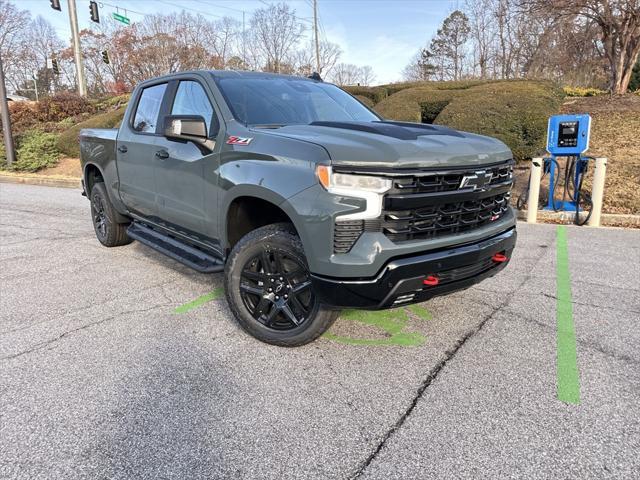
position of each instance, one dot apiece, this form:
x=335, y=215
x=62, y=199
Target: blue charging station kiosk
x=567, y=136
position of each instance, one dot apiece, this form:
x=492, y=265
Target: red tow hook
x=431, y=281
x=499, y=258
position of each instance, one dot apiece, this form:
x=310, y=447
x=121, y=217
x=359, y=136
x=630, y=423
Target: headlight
x=331, y=181
x=360, y=186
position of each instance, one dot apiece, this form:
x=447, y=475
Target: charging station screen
x=568, y=134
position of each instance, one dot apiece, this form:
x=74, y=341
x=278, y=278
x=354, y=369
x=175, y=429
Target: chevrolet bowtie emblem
x=478, y=181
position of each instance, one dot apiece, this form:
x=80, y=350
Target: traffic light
x=105, y=57
x=93, y=9
x=55, y=4
x=54, y=66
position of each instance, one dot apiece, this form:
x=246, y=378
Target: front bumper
x=400, y=282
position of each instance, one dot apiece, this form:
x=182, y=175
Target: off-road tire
x=109, y=232
x=281, y=239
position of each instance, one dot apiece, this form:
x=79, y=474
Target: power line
x=302, y=19
x=190, y=9
x=126, y=10
x=222, y=6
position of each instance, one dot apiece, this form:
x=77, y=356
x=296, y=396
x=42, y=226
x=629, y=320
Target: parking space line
x=391, y=324
x=568, y=377
x=201, y=300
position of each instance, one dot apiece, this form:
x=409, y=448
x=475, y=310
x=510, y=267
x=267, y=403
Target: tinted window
x=286, y=101
x=148, y=109
x=191, y=99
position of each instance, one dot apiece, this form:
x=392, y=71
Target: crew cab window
x=191, y=99
x=146, y=118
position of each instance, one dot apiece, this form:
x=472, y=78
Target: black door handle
x=162, y=154
x=122, y=149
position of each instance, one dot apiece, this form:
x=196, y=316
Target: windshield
x=276, y=101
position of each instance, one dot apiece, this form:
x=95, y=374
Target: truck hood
x=397, y=144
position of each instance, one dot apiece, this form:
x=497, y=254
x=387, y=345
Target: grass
x=68, y=140
x=615, y=134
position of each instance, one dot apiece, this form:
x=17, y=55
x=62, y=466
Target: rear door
x=185, y=175
x=136, y=147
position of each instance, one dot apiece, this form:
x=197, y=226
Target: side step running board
x=176, y=249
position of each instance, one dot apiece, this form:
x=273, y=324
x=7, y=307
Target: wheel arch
x=249, y=207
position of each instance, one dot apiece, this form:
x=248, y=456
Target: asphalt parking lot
x=121, y=363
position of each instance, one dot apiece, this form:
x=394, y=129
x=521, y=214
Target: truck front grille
x=428, y=204
x=435, y=221
x=448, y=181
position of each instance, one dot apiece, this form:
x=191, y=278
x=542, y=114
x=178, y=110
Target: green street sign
x=121, y=18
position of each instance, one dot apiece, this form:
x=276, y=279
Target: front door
x=183, y=170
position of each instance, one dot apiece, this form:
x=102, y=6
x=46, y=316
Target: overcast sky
x=382, y=33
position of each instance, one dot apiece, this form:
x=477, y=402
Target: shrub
x=23, y=116
x=366, y=100
x=61, y=106
x=68, y=142
x=415, y=104
x=35, y=150
x=110, y=103
x=375, y=94
x=583, y=91
x=515, y=112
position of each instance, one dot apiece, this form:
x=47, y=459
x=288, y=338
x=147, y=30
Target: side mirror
x=186, y=127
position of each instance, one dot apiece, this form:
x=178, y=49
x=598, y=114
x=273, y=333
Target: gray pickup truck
x=306, y=199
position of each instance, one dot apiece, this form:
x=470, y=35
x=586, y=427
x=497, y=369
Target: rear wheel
x=268, y=287
x=110, y=233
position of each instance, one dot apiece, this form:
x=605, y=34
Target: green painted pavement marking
x=568, y=377
x=208, y=297
x=391, y=322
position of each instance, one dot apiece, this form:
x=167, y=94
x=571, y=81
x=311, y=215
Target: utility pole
x=75, y=37
x=315, y=29
x=244, y=41
x=6, y=119
x=35, y=84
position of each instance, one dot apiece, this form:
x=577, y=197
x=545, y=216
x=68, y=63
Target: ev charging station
x=568, y=137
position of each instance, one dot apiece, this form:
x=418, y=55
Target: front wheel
x=268, y=287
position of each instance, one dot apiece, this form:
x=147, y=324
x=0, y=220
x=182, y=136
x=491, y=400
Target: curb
x=606, y=219
x=65, y=182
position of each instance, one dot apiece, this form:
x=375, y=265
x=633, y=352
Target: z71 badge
x=233, y=140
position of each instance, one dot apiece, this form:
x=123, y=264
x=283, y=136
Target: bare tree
x=619, y=25
x=421, y=67
x=276, y=31
x=346, y=74
x=13, y=26
x=367, y=75
x=304, y=59
x=481, y=20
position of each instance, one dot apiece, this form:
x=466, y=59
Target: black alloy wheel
x=99, y=216
x=276, y=289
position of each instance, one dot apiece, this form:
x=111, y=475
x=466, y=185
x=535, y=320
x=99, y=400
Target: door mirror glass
x=186, y=127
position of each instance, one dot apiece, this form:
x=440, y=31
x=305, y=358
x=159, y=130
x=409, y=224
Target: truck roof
x=219, y=74
x=248, y=74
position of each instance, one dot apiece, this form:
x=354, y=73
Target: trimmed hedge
x=366, y=100
x=68, y=142
x=516, y=111
x=409, y=105
x=375, y=94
